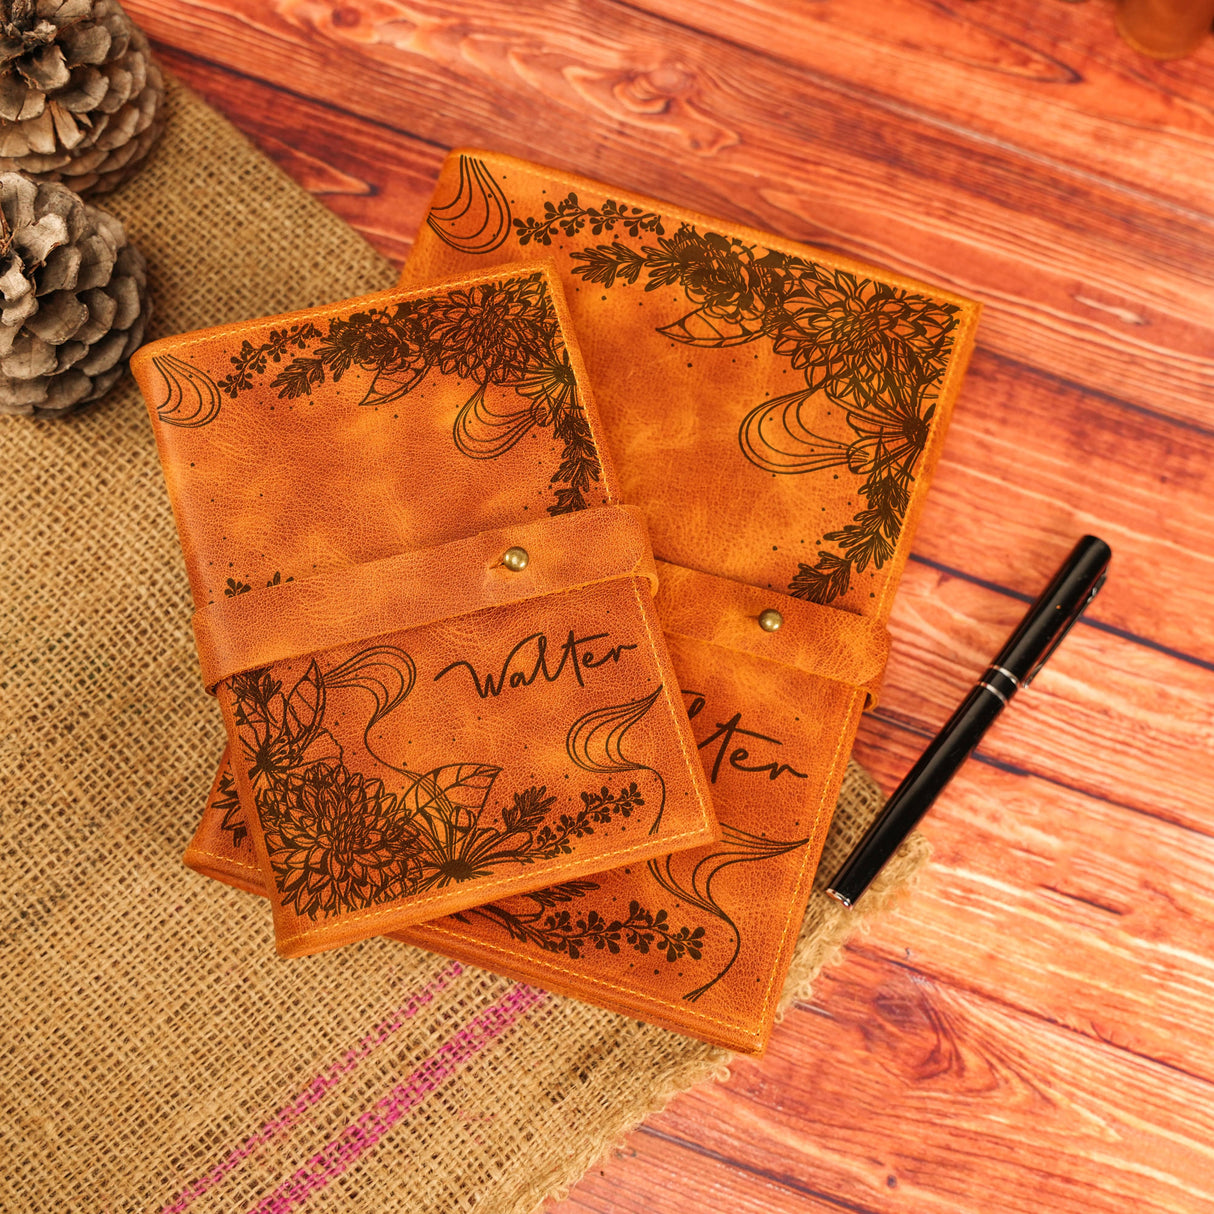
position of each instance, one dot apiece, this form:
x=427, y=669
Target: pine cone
x=73, y=298
x=81, y=99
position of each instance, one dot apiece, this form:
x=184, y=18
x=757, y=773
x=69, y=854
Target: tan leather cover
x=777, y=413
x=420, y=727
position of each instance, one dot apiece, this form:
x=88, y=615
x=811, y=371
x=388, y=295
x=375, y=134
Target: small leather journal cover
x=777, y=413
x=428, y=622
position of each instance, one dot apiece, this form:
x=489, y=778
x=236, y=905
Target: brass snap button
x=516, y=559
x=770, y=620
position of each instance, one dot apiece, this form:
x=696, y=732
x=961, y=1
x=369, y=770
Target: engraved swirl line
x=193, y=398
x=477, y=219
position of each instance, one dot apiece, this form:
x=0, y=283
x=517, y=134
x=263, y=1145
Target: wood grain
x=1032, y=1029
x=1032, y=462
x=923, y=1098
x=1061, y=906
x=1069, y=263
x=966, y=1105
x=655, y=1159
x=1120, y=720
x=1052, y=79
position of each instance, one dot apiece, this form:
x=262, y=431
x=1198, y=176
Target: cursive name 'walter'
x=534, y=658
x=724, y=736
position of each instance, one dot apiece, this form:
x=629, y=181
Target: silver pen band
x=994, y=691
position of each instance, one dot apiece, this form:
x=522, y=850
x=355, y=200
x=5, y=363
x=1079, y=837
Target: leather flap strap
x=822, y=641
x=412, y=589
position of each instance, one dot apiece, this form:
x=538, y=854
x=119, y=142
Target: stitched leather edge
x=823, y=641
x=277, y=623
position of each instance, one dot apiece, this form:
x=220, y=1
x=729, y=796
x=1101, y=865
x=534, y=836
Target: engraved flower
x=337, y=840
x=365, y=339
x=863, y=341
x=493, y=333
x=718, y=273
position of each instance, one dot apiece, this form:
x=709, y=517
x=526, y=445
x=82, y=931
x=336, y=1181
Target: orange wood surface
x=1033, y=1029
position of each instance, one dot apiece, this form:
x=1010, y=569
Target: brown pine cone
x=81, y=98
x=73, y=298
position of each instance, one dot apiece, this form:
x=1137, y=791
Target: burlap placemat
x=156, y=1054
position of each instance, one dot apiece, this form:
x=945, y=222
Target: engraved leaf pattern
x=876, y=350
x=502, y=337
x=340, y=840
x=226, y=803
x=595, y=742
x=556, y=928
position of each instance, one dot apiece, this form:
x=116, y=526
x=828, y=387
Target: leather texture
x=289, y=620
x=421, y=727
x=777, y=413
x=833, y=645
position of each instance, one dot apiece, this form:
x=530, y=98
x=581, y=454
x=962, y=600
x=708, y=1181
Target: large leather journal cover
x=428, y=622
x=777, y=412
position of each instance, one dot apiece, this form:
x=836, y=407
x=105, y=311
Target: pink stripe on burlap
x=364, y=1134
x=331, y=1075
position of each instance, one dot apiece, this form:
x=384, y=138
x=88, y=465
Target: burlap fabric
x=156, y=1054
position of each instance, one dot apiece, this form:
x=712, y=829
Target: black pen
x=1028, y=649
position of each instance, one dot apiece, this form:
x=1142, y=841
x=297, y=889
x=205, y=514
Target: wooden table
x=1034, y=1029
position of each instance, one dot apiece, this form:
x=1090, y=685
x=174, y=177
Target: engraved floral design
x=503, y=337
x=226, y=803
x=489, y=332
x=556, y=929
x=252, y=360
x=339, y=840
x=571, y=217
x=876, y=350
x=597, y=807
x=860, y=340
x=281, y=732
x=336, y=841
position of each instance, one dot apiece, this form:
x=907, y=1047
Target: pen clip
x=1066, y=627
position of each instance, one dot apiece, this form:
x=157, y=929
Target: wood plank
x=1006, y=485
x=1055, y=80
x=378, y=180
x=1116, y=719
x=688, y=1178
x=1031, y=464
x=1105, y=287
x=966, y=1105
x=1080, y=913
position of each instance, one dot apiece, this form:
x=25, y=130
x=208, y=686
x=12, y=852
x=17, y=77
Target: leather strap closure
x=412, y=589
x=822, y=641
